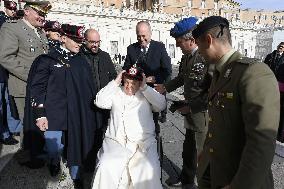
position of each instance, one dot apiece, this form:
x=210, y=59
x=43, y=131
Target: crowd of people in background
x=60, y=92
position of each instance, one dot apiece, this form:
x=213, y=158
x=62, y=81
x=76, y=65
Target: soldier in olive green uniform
x=243, y=114
x=21, y=42
x=193, y=75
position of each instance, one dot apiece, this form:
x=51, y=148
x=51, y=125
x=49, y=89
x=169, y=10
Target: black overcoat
x=64, y=85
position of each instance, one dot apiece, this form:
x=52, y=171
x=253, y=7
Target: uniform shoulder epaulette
x=247, y=60
x=11, y=21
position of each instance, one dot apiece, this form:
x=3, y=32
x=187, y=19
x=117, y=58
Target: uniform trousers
x=280, y=134
x=20, y=105
x=54, y=149
x=192, y=146
x=8, y=124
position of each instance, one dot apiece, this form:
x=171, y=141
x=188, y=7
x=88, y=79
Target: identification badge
x=230, y=95
x=58, y=65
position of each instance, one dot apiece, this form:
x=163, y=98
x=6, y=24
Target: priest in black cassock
x=60, y=92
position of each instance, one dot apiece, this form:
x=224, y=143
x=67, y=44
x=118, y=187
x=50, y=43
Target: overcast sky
x=262, y=4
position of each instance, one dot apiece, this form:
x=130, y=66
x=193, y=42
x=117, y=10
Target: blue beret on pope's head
x=184, y=26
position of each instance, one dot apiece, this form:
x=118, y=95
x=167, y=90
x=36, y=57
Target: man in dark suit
x=102, y=67
x=149, y=55
x=103, y=71
x=275, y=61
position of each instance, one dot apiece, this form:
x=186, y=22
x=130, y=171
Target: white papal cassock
x=128, y=157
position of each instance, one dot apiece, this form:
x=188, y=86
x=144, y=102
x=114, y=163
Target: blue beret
x=183, y=26
x=208, y=23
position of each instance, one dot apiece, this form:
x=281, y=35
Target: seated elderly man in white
x=128, y=158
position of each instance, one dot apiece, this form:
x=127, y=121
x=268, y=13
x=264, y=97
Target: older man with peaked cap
x=21, y=42
x=243, y=114
x=9, y=123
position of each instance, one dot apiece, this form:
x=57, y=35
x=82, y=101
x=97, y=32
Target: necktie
x=216, y=75
x=143, y=55
x=144, y=50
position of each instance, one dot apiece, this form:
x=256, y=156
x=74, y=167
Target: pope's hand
x=119, y=77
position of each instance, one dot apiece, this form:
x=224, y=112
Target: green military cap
x=42, y=7
x=208, y=23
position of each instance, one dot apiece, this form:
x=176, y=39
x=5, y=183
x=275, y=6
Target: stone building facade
x=254, y=33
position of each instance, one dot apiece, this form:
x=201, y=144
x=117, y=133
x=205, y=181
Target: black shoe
x=163, y=118
x=78, y=184
x=189, y=186
x=33, y=164
x=9, y=141
x=17, y=134
x=173, y=182
x=54, y=169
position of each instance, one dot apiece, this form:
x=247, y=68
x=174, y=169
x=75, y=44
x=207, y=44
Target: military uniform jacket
x=3, y=72
x=19, y=47
x=193, y=74
x=243, y=122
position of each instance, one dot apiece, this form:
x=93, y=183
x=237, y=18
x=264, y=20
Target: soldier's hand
x=151, y=79
x=184, y=110
x=160, y=88
x=226, y=187
x=119, y=77
x=143, y=84
x=42, y=123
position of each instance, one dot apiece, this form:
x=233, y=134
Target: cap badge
x=228, y=73
x=81, y=32
x=132, y=71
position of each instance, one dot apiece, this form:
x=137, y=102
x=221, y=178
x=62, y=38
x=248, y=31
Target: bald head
x=93, y=40
x=144, y=33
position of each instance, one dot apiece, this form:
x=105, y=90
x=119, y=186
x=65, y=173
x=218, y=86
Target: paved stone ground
x=13, y=176
x=16, y=177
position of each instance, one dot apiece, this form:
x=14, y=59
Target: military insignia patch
x=228, y=73
x=132, y=71
x=230, y=95
x=58, y=65
x=81, y=32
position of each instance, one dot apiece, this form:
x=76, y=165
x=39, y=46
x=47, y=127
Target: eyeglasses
x=93, y=42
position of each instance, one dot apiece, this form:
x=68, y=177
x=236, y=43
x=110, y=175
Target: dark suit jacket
x=106, y=69
x=157, y=62
x=276, y=64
